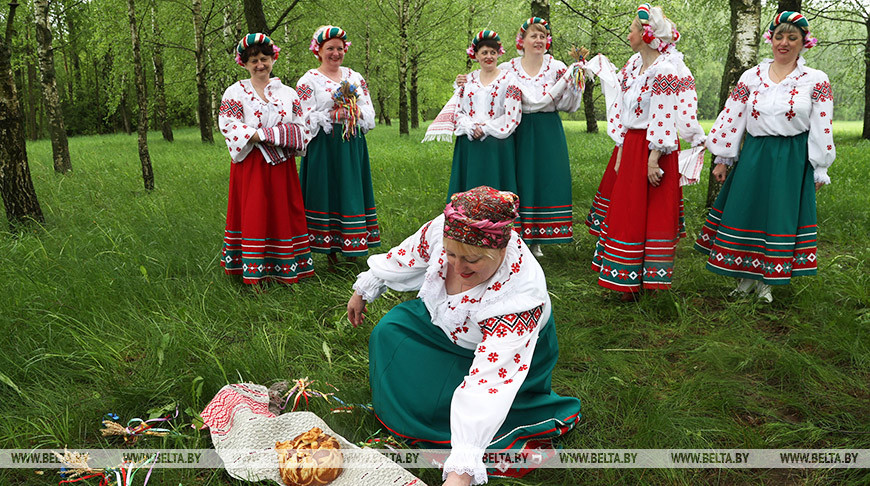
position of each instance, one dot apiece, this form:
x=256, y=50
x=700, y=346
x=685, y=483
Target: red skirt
x=640, y=232
x=266, y=237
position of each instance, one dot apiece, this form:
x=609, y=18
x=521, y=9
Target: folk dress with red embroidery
x=801, y=102
x=542, y=93
x=278, y=118
x=496, y=107
x=662, y=100
x=499, y=319
x=316, y=91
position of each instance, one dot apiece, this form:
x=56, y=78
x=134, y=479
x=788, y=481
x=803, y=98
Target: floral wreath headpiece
x=481, y=217
x=484, y=35
x=323, y=34
x=658, y=31
x=795, y=19
x=522, y=32
x=252, y=39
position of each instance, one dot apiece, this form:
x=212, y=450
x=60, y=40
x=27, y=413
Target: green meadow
x=118, y=304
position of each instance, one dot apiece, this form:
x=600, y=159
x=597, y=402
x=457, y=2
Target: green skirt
x=488, y=162
x=543, y=179
x=337, y=192
x=414, y=369
x=763, y=223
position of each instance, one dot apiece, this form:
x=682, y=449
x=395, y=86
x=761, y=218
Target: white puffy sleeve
x=687, y=113
x=464, y=124
x=231, y=119
x=662, y=131
x=560, y=90
x=503, y=126
x=313, y=118
x=481, y=403
x=403, y=268
x=366, y=107
x=821, y=137
x=730, y=125
x=601, y=67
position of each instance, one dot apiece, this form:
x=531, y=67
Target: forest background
x=408, y=50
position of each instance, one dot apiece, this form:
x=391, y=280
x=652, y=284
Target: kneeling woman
x=469, y=363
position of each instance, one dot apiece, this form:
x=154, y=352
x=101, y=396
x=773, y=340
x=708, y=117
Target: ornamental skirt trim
x=763, y=223
x=601, y=201
x=543, y=180
x=414, y=370
x=336, y=185
x=641, y=229
x=265, y=237
x=488, y=162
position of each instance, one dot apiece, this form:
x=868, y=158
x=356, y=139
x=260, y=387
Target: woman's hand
x=255, y=138
x=819, y=185
x=721, y=170
x=618, y=159
x=356, y=309
x=654, y=172
x=338, y=115
x=478, y=132
x=461, y=79
x=455, y=479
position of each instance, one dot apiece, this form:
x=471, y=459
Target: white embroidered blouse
x=537, y=87
x=801, y=102
x=315, y=91
x=496, y=107
x=661, y=100
x=499, y=319
x=279, y=119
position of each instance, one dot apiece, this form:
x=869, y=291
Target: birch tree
x=142, y=98
x=159, y=85
x=742, y=55
x=51, y=100
x=16, y=186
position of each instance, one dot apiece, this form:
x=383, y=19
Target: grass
x=118, y=305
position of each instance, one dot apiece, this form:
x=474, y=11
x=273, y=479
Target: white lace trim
x=369, y=286
x=477, y=477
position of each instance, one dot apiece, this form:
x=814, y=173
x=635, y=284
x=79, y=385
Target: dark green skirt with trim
x=543, y=180
x=488, y=162
x=763, y=223
x=337, y=191
x=414, y=370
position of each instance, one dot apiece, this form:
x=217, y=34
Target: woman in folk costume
x=335, y=174
x=467, y=365
x=487, y=114
x=543, y=170
x=655, y=104
x=762, y=227
x=261, y=119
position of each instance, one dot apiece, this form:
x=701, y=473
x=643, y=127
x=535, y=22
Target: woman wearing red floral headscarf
x=261, y=118
x=762, y=227
x=335, y=173
x=467, y=365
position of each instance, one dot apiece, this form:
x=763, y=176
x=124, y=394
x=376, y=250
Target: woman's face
x=259, y=65
x=473, y=270
x=534, y=42
x=332, y=53
x=635, y=36
x=786, y=46
x=487, y=57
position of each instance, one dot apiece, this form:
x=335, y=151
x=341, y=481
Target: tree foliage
x=95, y=79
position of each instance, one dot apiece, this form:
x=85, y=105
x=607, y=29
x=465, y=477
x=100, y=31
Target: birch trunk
x=142, y=99
x=203, y=107
x=745, y=26
x=59, y=144
x=541, y=8
x=866, y=132
x=414, y=93
x=16, y=186
x=404, y=17
x=159, y=85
